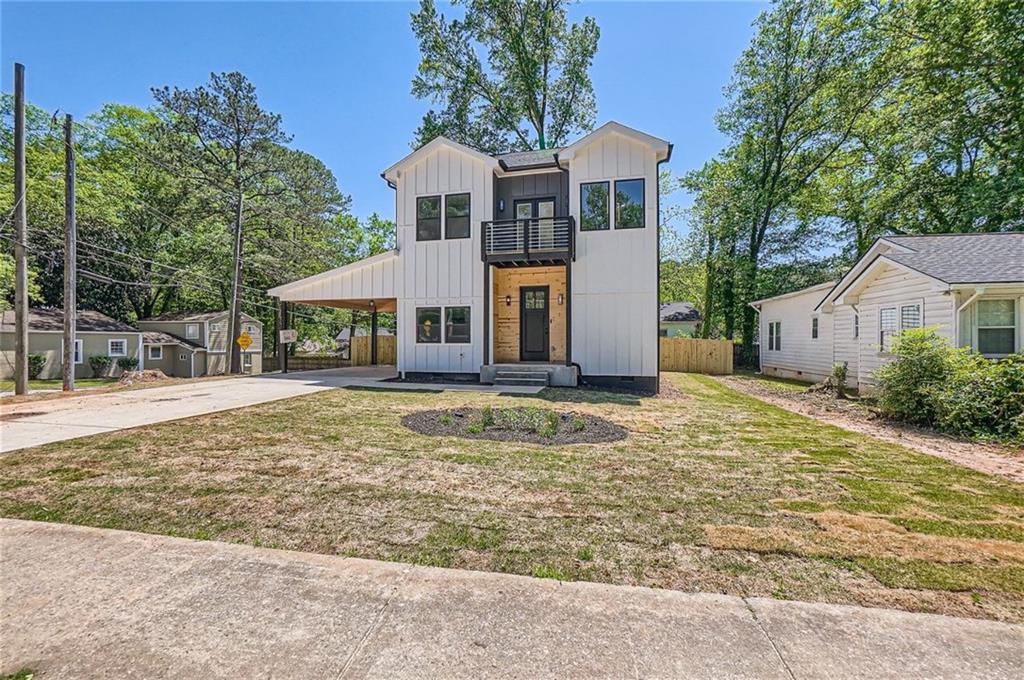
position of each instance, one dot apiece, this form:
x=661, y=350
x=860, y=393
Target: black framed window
x=814, y=327
x=629, y=204
x=456, y=216
x=456, y=324
x=428, y=218
x=428, y=324
x=593, y=206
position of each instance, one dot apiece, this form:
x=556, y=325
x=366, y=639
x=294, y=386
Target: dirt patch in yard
x=855, y=416
x=516, y=424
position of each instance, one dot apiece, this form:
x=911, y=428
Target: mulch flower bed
x=517, y=424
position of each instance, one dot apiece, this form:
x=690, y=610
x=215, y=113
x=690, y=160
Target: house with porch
x=518, y=268
x=968, y=287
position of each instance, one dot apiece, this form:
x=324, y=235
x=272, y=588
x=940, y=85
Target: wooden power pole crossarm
x=70, y=257
x=20, y=238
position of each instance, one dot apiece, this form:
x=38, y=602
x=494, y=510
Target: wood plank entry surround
x=507, y=282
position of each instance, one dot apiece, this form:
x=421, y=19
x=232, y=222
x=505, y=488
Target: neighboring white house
x=969, y=287
x=678, y=319
x=523, y=264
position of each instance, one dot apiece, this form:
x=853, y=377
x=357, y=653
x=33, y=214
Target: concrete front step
x=529, y=382
x=537, y=375
x=558, y=375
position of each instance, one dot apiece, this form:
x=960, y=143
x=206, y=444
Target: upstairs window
x=593, y=206
x=856, y=325
x=456, y=216
x=997, y=327
x=428, y=324
x=456, y=324
x=191, y=331
x=216, y=327
x=629, y=204
x=814, y=328
x=428, y=218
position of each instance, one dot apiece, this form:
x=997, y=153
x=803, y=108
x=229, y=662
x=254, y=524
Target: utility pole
x=234, y=350
x=70, y=257
x=20, y=238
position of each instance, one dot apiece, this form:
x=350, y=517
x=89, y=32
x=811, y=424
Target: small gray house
x=678, y=319
x=96, y=334
x=190, y=344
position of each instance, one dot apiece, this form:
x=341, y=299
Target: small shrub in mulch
x=517, y=424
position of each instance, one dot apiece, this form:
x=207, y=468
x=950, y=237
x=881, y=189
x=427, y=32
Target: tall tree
x=221, y=137
x=509, y=75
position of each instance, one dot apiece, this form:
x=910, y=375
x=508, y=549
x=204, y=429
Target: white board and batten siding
x=800, y=355
x=446, y=272
x=370, y=279
x=615, y=275
x=894, y=287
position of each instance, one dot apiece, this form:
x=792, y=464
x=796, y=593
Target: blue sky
x=339, y=72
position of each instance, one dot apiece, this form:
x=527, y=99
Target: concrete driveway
x=33, y=423
x=83, y=603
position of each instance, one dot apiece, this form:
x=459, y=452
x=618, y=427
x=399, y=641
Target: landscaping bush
x=99, y=365
x=954, y=390
x=35, y=365
x=128, y=363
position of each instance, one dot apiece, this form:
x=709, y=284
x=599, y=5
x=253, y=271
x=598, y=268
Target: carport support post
x=373, y=336
x=282, y=347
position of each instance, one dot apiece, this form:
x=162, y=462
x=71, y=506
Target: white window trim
x=158, y=356
x=191, y=334
x=250, y=328
x=79, y=351
x=217, y=327
x=898, y=308
x=110, y=348
x=975, y=327
x=777, y=345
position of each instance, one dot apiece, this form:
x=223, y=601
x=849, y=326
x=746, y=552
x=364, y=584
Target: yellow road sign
x=244, y=341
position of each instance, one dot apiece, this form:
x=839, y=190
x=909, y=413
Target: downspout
x=657, y=267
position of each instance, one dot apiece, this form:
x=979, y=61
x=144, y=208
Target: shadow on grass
x=586, y=395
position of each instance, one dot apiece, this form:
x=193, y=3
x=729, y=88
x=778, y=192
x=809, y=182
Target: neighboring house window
x=456, y=216
x=856, y=325
x=428, y=218
x=191, y=331
x=910, y=316
x=456, y=324
x=117, y=348
x=775, y=336
x=997, y=327
x=428, y=324
x=156, y=352
x=247, y=360
x=814, y=328
x=888, y=326
x=629, y=204
x=593, y=206
x=216, y=327
x=79, y=352
x=250, y=329
x=183, y=357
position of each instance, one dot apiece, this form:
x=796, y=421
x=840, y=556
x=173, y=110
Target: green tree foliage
x=509, y=74
x=850, y=119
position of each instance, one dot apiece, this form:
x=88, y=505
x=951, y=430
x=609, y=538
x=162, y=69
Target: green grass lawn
x=712, y=491
x=80, y=383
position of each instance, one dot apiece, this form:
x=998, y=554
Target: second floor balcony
x=544, y=240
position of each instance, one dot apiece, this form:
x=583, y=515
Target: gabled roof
x=818, y=287
x=52, y=319
x=193, y=316
x=391, y=174
x=946, y=259
x=162, y=338
x=679, y=311
x=662, y=148
x=964, y=258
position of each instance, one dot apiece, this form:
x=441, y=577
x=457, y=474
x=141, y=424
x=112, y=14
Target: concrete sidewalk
x=32, y=423
x=80, y=602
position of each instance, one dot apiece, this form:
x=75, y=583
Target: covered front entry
x=530, y=314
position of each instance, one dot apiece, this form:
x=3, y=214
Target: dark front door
x=533, y=323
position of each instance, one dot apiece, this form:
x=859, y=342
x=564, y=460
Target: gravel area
x=851, y=414
x=530, y=425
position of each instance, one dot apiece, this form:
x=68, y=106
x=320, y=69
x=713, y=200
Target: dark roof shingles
x=964, y=258
x=46, y=319
x=528, y=159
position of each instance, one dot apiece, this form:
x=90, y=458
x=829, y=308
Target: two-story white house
x=518, y=268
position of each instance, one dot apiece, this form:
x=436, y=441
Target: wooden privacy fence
x=305, y=362
x=387, y=350
x=696, y=355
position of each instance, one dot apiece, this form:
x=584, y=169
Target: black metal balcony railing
x=537, y=239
